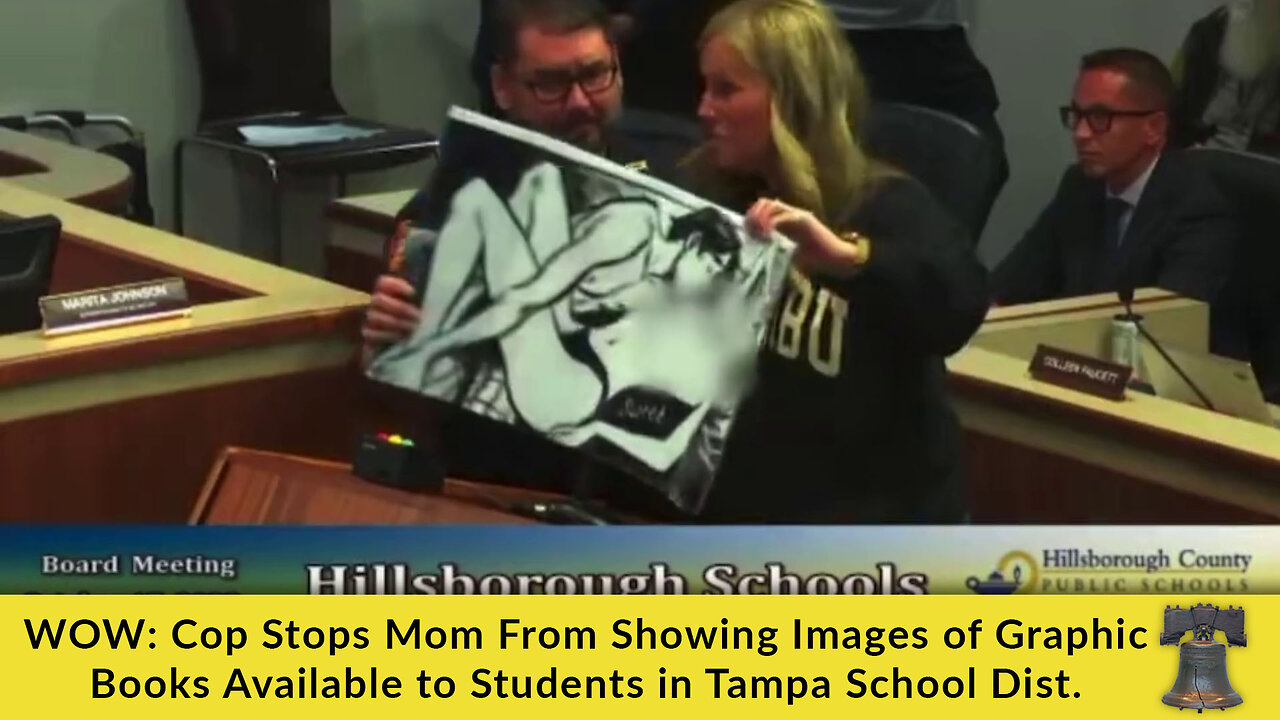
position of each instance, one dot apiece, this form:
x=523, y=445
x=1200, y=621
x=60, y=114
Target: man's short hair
x=556, y=16
x=1148, y=77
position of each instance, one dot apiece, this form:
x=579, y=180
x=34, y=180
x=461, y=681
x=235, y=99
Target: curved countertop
x=63, y=171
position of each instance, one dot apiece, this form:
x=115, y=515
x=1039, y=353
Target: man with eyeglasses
x=1130, y=213
x=555, y=70
x=485, y=52
x=553, y=66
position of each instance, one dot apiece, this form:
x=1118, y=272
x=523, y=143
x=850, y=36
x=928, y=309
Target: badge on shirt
x=638, y=166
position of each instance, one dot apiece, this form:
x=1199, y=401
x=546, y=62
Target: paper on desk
x=287, y=135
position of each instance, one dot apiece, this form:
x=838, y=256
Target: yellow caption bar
x=655, y=657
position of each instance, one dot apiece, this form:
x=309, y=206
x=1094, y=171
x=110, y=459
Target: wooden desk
x=358, y=231
x=1039, y=453
x=64, y=171
x=249, y=487
x=122, y=425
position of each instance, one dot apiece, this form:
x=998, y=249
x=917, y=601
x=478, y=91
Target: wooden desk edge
x=167, y=267
x=360, y=217
x=994, y=386
x=13, y=165
x=465, y=491
x=67, y=172
x=1052, y=308
x=1165, y=440
x=278, y=304
x=211, y=482
x=170, y=252
x=152, y=349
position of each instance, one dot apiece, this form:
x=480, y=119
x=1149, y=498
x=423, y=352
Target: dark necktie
x=1112, y=223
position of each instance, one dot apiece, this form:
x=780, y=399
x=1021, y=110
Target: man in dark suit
x=1130, y=213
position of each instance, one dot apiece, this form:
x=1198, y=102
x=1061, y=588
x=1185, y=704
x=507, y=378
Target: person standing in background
x=1228, y=77
x=918, y=52
x=910, y=51
x=661, y=58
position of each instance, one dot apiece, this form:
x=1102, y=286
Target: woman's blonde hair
x=818, y=98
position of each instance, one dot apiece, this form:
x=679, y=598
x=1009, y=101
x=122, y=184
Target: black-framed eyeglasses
x=554, y=87
x=1099, y=119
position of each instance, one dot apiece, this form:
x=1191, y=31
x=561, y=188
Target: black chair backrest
x=665, y=139
x=27, y=249
x=1246, y=317
x=951, y=157
x=262, y=57
x=663, y=125
x=134, y=154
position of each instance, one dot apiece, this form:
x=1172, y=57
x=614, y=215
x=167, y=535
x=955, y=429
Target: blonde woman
x=849, y=420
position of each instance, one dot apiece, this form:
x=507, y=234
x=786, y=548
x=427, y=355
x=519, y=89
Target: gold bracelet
x=861, y=247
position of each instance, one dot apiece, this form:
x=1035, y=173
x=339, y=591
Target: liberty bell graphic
x=1202, y=662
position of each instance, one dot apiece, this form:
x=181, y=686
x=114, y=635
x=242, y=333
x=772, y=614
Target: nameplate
x=115, y=306
x=1080, y=372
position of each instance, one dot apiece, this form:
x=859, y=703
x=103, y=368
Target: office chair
x=663, y=127
x=951, y=157
x=129, y=149
x=1245, y=320
x=666, y=139
x=268, y=62
x=27, y=251
x=40, y=121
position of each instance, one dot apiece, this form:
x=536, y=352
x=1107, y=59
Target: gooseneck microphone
x=1126, y=297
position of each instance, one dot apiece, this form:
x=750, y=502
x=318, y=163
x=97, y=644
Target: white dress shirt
x=1132, y=195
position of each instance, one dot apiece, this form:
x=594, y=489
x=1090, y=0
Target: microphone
x=1126, y=298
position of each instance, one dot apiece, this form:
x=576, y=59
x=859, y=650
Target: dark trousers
x=936, y=69
x=932, y=68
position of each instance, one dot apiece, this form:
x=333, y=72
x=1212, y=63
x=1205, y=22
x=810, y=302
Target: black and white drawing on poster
x=597, y=306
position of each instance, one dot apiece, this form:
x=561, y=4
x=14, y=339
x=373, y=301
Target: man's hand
x=392, y=314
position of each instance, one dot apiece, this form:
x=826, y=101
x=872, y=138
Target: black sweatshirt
x=849, y=421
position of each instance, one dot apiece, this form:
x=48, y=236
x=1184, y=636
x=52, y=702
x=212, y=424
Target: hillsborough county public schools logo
x=1075, y=570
